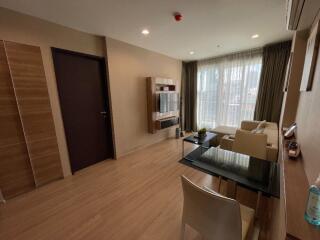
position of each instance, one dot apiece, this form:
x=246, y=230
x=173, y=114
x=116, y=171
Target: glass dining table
x=255, y=174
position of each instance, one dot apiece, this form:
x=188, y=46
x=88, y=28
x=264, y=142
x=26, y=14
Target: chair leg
x=219, y=183
x=182, y=230
x=231, y=189
x=258, y=204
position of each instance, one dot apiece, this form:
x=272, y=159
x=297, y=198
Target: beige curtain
x=227, y=89
x=189, y=96
x=274, y=63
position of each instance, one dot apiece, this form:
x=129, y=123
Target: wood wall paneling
x=16, y=174
x=28, y=77
x=296, y=193
x=291, y=97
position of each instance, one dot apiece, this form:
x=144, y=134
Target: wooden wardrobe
x=29, y=155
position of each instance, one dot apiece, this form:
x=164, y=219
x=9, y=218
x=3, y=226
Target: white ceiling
x=205, y=24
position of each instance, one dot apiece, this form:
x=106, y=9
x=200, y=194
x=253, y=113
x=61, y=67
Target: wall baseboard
x=120, y=155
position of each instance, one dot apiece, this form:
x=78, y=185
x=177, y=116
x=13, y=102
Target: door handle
x=103, y=113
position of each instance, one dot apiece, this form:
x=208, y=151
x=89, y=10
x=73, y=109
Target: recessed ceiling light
x=191, y=52
x=145, y=32
x=255, y=36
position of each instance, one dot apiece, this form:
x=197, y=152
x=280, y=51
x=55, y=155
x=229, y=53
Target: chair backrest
x=214, y=216
x=252, y=144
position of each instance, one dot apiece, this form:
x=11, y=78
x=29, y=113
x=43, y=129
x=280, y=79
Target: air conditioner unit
x=301, y=13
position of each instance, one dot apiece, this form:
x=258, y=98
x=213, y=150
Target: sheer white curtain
x=227, y=89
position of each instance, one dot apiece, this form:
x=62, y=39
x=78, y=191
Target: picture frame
x=310, y=59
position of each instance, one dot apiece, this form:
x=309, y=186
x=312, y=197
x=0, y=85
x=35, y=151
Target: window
x=227, y=89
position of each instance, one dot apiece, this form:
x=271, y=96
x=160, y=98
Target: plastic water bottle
x=312, y=214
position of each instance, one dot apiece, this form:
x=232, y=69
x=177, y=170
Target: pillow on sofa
x=260, y=128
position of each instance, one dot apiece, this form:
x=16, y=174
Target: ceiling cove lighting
x=145, y=32
x=191, y=52
x=255, y=36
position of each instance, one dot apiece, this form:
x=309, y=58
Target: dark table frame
x=201, y=142
x=274, y=187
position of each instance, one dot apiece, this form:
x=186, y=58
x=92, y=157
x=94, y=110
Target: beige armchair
x=245, y=140
x=214, y=216
x=252, y=143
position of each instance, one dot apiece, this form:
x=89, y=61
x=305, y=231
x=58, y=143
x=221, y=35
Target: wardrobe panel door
x=31, y=91
x=16, y=174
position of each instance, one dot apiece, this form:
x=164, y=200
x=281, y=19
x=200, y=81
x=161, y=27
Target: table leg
x=258, y=204
x=231, y=189
x=182, y=149
x=219, y=183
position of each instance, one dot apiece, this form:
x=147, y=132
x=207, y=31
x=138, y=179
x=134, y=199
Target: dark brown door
x=84, y=102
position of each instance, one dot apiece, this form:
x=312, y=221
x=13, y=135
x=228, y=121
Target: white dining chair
x=214, y=216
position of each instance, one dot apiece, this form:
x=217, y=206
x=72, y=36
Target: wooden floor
x=138, y=196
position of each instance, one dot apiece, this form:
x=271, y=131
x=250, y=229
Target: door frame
x=107, y=93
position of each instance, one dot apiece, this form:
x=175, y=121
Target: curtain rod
x=250, y=51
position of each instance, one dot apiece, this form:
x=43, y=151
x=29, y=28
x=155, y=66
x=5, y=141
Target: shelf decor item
x=291, y=131
x=293, y=149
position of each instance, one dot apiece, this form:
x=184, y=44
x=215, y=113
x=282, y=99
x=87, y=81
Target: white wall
x=128, y=68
